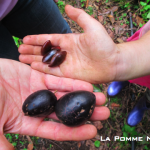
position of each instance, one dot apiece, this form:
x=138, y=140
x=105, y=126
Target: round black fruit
x=75, y=108
x=39, y=104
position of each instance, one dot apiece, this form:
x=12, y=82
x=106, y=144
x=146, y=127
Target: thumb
x=84, y=20
x=4, y=144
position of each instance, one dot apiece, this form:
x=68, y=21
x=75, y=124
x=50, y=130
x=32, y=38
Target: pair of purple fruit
x=136, y=115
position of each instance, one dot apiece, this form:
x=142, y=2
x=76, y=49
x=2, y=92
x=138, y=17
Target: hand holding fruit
x=18, y=81
x=91, y=56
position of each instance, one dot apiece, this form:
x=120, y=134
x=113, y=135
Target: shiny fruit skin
x=75, y=108
x=47, y=58
x=57, y=59
x=115, y=87
x=46, y=47
x=39, y=104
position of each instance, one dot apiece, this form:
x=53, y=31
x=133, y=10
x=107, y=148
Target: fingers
x=29, y=49
x=100, y=97
x=82, y=18
x=66, y=84
x=29, y=53
x=39, y=40
x=28, y=59
x=57, y=131
x=100, y=113
x=4, y=144
x=39, y=66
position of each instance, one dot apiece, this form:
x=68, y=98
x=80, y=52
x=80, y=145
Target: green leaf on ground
x=97, y=143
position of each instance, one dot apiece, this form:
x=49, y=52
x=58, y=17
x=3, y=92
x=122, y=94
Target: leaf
x=129, y=129
x=133, y=133
x=100, y=18
x=115, y=105
x=148, y=16
x=96, y=7
x=145, y=147
x=124, y=14
x=120, y=40
x=139, y=20
x=115, y=8
x=98, y=124
x=147, y=7
x=144, y=141
x=91, y=144
x=112, y=19
x=140, y=25
x=14, y=144
x=96, y=89
x=97, y=143
x=124, y=38
x=79, y=144
x=17, y=136
x=116, y=29
x=30, y=146
x=125, y=134
x=143, y=4
x=50, y=146
x=111, y=34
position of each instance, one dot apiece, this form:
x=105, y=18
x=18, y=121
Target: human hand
x=91, y=56
x=18, y=81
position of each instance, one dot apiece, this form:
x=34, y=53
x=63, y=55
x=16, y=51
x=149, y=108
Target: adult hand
x=17, y=82
x=91, y=56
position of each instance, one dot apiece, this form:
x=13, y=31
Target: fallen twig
x=87, y=3
x=56, y=144
x=144, y=130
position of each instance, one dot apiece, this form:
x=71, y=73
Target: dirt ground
x=116, y=22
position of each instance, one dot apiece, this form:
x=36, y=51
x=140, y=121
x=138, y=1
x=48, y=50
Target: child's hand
x=91, y=56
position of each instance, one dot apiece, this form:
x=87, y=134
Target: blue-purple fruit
x=115, y=87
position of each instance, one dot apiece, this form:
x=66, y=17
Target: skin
x=83, y=60
x=17, y=82
x=91, y=56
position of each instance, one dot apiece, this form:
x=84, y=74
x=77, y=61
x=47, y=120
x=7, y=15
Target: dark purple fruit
x=39, y=104
x=46, y=47
x=52, y=55
x=57, y=59
x=75, y=108
x=47, y=58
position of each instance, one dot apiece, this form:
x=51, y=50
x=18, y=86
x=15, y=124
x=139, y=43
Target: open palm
x=18, y=81
x=91, y=56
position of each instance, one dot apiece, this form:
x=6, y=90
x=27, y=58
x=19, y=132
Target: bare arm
x=133, y=58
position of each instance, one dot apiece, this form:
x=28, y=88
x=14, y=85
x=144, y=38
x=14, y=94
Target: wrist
x=133, y=59
x=124, y=64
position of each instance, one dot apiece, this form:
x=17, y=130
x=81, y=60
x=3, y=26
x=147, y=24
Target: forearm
x=133, y=59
